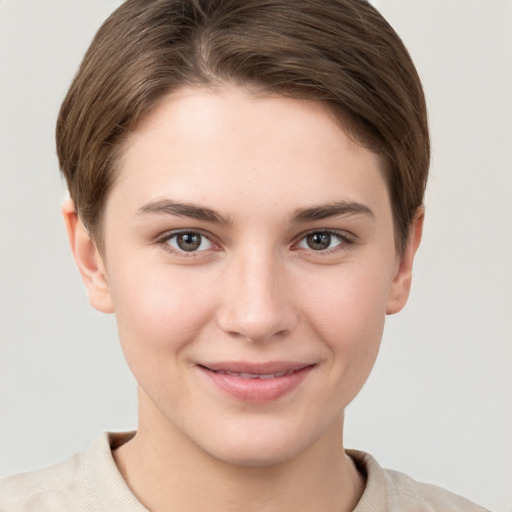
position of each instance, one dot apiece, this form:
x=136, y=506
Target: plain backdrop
x=438, y=405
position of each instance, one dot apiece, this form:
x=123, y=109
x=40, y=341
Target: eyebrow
x=335, y=209
x=193, y=211
x=190, y=210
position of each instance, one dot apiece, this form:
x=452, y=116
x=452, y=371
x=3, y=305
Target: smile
x=256, y=375
x=256, y=383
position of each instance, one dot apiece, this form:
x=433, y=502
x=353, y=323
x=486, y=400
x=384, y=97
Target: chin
x=258, y=447
x=255, y=456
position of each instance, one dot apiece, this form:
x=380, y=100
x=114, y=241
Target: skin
x=256, y=290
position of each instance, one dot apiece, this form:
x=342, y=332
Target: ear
x=401, y=285
x=89, y=261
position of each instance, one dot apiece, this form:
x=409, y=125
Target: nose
x=257, y=299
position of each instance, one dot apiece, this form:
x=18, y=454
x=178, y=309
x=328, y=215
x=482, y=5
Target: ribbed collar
x=113, y=493
x=104, y=477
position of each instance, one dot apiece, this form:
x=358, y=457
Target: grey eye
x=320, y=241
x=189, y=241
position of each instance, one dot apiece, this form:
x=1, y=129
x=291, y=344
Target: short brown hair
x=342, y=53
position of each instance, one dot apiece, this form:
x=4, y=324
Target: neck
x=166, y=471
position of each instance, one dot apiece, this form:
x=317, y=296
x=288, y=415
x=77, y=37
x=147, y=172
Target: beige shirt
x=91, y=482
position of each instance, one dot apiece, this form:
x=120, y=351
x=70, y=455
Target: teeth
x=274, y=375
x=255, y=375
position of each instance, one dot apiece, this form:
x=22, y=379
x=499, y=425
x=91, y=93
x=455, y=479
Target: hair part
x=341, y=53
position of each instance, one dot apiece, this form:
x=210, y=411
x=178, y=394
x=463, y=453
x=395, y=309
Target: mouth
x=256, y=383
x=255, y=375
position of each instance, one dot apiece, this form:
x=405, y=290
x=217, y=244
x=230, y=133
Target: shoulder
x=431, y=497
x=392, y=491
x=49, y=487
x=87, y=482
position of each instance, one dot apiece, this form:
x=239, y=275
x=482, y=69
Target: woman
x=246, y=183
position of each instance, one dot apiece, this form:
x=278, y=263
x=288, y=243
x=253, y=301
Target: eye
x=322, y=241
x=188, y=241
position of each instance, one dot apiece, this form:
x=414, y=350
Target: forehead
x=230, y=147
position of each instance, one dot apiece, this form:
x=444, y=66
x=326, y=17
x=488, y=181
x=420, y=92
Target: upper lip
x=255, y=368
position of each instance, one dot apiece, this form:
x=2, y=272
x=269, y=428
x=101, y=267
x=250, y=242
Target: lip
x=256, y=382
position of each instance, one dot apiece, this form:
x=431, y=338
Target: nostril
x=258, y=337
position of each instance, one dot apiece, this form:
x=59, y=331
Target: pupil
x=189, y=241
x=319, y=241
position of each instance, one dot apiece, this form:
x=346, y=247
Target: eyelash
x=344, y=239
x=164, y=242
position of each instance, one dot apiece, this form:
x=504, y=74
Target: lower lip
x=257, y=390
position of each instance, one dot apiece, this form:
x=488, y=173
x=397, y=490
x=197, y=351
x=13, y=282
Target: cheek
x=159, y=310
x=349, y=299
x=348, y=314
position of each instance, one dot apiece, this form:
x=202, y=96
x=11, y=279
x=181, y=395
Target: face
x=250, y=260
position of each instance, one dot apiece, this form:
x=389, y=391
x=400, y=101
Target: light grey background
x=438, y=405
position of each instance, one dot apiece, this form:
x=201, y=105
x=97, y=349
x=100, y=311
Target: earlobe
x=401, y=285
x=88, y=259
